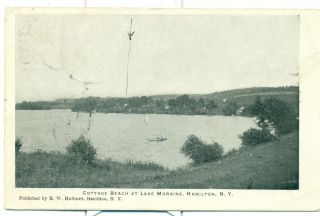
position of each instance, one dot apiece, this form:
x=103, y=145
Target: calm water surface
x=124, y=137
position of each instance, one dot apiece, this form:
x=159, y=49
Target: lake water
x=124, y=137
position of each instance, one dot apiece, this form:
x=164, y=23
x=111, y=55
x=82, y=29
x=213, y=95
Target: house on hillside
x=240, y=111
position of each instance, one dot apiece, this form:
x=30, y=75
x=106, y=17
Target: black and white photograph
x=160, y=109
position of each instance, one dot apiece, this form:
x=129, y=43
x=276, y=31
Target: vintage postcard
x=162, y=109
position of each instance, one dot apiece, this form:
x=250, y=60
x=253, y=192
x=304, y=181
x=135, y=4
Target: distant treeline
x=38, y=105
x=232, y=102
x=45, y=105
x=180, y=105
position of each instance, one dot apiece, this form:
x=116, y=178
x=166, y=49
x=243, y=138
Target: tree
x=18, y=144
x=183, y=100
x=139, y=101
x=159, y=103
x=255, y=136
x=201, y=102
x=81, y=151
x=85, y=105
x=172, y=103
x=200, y=152
x=231, y=108
x=274, y=114
x=211, y=104
x=192, y=104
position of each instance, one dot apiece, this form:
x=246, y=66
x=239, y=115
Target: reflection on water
x=125, y=136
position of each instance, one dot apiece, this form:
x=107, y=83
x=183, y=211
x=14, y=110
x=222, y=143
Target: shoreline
x=137, y=113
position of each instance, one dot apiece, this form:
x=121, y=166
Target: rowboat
x=157, y=139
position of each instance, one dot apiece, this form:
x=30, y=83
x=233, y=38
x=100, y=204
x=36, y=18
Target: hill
x=246, y=95
x=231, y=102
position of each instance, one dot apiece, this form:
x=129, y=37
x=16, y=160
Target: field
x=272, y=165
x=246, y=95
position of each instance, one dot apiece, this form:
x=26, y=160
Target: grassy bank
x=41, y=169
x=270, y=166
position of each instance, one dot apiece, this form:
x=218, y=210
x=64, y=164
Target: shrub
x=231, y=152
x=18, y=144
x=81, y=151
x=200, y=152
x=256, y=136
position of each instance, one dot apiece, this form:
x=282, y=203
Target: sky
x=170, y=54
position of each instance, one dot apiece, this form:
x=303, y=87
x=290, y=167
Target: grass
x=46, y=170
x=272, y=165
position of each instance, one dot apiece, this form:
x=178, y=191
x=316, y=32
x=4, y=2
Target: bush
x=18, y=144
x=256, y=136
x=231, y=152
x=81, y=151
x=200, y=152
